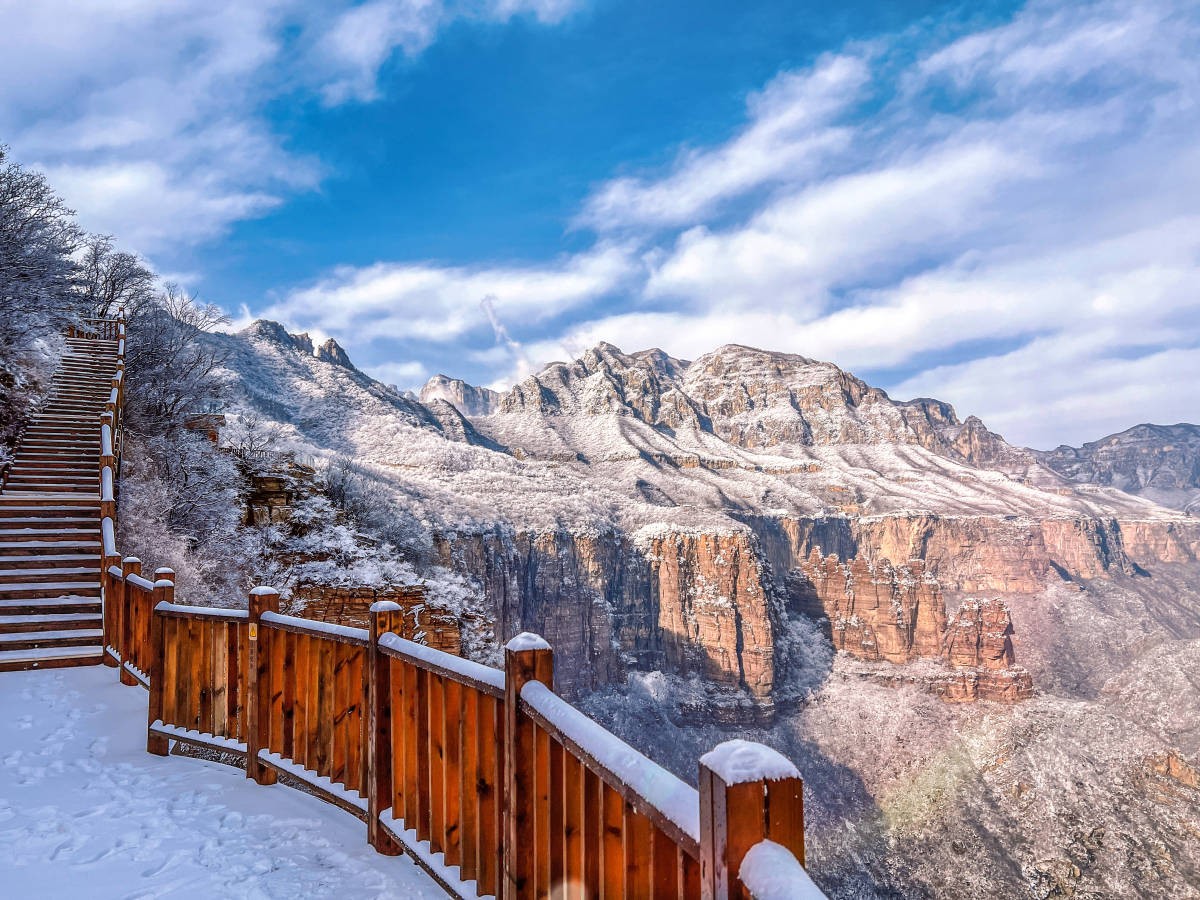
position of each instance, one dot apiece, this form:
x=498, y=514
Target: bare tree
x=110, y=280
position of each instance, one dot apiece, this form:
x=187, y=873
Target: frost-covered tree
x=110, y=280
x=38, y=236
x=172, y=372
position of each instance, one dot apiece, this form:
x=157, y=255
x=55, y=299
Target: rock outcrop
x=878, y=612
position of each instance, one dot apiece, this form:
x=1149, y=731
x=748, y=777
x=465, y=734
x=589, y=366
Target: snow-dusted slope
x=628, y=440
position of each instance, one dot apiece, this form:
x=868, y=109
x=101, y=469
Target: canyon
x=986, y=661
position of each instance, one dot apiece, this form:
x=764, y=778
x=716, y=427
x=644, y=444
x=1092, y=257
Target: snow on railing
x=770, y=871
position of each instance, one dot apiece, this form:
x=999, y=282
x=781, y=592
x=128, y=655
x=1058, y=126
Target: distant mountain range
x=1160, y=462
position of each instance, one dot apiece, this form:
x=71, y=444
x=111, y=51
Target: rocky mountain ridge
x=1160, y=462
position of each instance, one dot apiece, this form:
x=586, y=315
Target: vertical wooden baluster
x=412, y=738
x=396, y=706
x=193, y=674
x=423, y=819
x=489, y=746
x=287, y=745
x=342, y=701
x=437, y=763
x=593, y=837
x=238, y=653
x=554, y=833
x=612, y=871
x=526, y=658
x=325, y=687
x=451, y=770
x=379, y=727
x=636, y=833
x=572, y=825
x=258, y=684
x=665, y=866
x=467, y=784
x=220, y=677
x=279, y=677
x=358, y=737
x=300, y=722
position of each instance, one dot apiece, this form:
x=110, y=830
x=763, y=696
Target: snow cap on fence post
x=257, y=678
x=527, y=657
x=384, y=616
x=748, y=793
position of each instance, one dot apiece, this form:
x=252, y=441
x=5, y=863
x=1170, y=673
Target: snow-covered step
x=48, y=559
x=48, y=498
x=46, y=523
x=50, y=622
x=49, y=657
x=21, y=590
x=41, y=576
x=35, y=548
x=29, y=640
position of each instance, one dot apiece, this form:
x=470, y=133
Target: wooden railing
x=495, y=785
x=97, y=329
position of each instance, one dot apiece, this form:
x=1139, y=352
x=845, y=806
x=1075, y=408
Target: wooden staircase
x=50, y=603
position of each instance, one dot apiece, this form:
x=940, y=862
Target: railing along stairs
x=493, y=783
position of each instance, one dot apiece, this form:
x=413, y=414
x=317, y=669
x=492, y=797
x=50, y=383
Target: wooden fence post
x=527, y=657
x=130, y=565
x=164, y=590
x=258, y=684
x=111, y=610
x=748, y=793
x=385, y=616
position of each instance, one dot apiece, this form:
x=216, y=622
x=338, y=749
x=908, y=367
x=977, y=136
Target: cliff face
x=648, y=512
x=687, y=603
x=878, y=612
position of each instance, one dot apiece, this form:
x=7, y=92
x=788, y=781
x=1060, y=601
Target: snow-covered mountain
x=1159, y=462
x=712, y=529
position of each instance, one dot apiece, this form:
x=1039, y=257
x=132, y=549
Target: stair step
x=30, y=640
x=32, y=589
x=35, y=548
x=89, y=573
x=32, y=606
x=7, y=535
x=49, y=498
x=50, y=658
x=52, y=622
x=44, y=560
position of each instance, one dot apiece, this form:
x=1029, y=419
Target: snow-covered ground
x=86, y=812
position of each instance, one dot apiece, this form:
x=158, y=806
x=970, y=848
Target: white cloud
x=1035, y=185
x=148, y=117
x=790, y=136
x=441, y=304
x=405, y=375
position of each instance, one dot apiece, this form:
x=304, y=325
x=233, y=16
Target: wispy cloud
x=148, y=117
x=1036, y=184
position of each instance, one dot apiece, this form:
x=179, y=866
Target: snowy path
x=86, y=812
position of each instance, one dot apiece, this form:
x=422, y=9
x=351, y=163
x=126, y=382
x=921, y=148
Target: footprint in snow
x=25, y=723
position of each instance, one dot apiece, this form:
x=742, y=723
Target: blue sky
x=996, y=204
